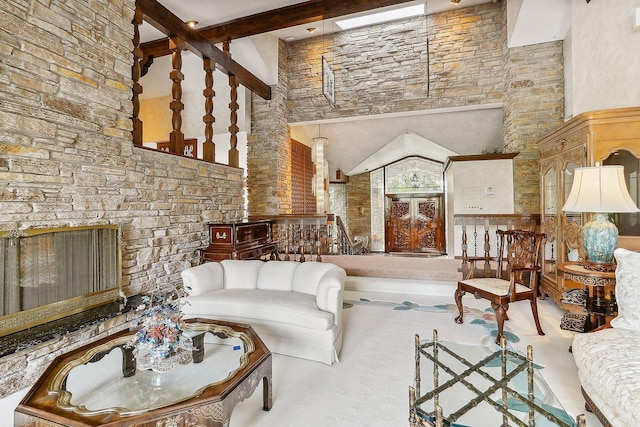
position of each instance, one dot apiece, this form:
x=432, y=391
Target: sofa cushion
x=308, y=276
x=627, y=290
x=278, y=306
x=277, y=275
x=608, y=362
x=241, y=274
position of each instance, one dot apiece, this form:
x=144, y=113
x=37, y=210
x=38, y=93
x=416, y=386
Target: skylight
x=376, y=18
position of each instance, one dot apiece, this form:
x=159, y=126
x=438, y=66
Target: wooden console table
x=598, y=288
x=239, y=240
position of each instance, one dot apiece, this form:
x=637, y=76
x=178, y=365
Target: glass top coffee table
x=99, y=385
x=462, y=385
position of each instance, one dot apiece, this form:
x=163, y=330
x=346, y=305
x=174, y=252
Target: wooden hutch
x=606, y=137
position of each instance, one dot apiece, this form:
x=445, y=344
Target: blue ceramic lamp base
x=600, y=238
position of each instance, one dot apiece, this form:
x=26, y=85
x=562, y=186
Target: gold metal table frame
x=488, y=379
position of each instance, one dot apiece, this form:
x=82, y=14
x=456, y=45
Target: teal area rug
x=483, y=317
x=369, y=386
x=480, y=322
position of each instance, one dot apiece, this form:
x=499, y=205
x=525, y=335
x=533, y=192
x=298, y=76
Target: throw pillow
x=627, y=290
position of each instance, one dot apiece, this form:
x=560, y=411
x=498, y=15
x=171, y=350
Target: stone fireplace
x=59, y=289
x=48, y=274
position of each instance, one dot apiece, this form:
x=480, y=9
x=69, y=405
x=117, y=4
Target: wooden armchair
x=515, y=278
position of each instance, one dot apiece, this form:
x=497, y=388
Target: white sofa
x=608, y=360
x=296, y=308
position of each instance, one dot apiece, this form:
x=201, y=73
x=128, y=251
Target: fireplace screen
x=53, y=273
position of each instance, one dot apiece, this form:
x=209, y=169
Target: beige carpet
x=369, y=386
x=398, y=267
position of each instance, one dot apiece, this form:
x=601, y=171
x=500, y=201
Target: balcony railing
x=308, y=237
x=482, y=230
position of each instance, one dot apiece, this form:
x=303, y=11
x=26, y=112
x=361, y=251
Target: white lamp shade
x=599, y=189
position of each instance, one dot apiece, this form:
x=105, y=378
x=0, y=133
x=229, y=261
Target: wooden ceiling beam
x=276, y=19
x=163, y=20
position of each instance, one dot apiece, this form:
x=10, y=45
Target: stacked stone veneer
x=269, y=148
x=386, y=69
x=66, y=156
x=534, y=106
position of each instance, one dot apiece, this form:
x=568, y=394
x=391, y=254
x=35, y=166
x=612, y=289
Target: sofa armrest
x=329, y=293
x=203, y=278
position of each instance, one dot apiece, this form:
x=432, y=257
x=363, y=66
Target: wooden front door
x=415, y=224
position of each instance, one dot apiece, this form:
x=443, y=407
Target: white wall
x=476, y=187
x=604, y=56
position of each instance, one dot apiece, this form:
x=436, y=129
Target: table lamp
x=599, y=190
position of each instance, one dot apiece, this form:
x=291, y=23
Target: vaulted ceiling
x=352, y=144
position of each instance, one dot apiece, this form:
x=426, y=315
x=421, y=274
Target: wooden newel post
x=136, y=74
x=234, y=154
x=209, y=148
x=176, y=138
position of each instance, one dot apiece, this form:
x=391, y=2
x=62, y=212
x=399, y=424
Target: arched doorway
x=412, y=217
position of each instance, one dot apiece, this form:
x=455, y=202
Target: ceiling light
x=455, y=1
x=311, y=29
x=376, y=18
x=192, y=24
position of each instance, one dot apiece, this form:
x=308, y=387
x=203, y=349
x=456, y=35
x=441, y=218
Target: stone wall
x=384, y=69
x=533, y=107
x=66, y=156
x=269, y=148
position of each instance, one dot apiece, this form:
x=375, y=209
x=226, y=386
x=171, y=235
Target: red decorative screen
x=302, y=199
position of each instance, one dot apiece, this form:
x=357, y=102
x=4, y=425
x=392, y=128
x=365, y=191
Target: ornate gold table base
x=595, y=297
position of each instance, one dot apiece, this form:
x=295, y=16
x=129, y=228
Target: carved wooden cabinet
x=587, y=139
x=238, y=240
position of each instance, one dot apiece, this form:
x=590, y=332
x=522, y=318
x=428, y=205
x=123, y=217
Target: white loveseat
x=608, y=360
x=296, y=308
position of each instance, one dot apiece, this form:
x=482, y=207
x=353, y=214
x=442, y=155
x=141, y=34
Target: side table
x=470, y=384
x=596, y=292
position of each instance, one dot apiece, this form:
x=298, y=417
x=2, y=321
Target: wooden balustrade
x=345, y=245
x=182, y=38
x=300, y=237
x=234, y=154
x=209, y=147
x=486, y=225
x=176, y=138
x=135, y=75
x=308, y=237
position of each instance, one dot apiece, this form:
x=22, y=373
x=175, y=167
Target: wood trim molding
x=166, y=22
x=271, y=20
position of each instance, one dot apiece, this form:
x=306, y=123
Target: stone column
x=269, y=149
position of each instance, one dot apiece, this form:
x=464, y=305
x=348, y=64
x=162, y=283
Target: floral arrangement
x=162, y=332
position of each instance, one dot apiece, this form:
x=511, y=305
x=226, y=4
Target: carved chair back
x=519, y=249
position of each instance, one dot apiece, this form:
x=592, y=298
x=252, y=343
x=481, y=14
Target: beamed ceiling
x=352, y=141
